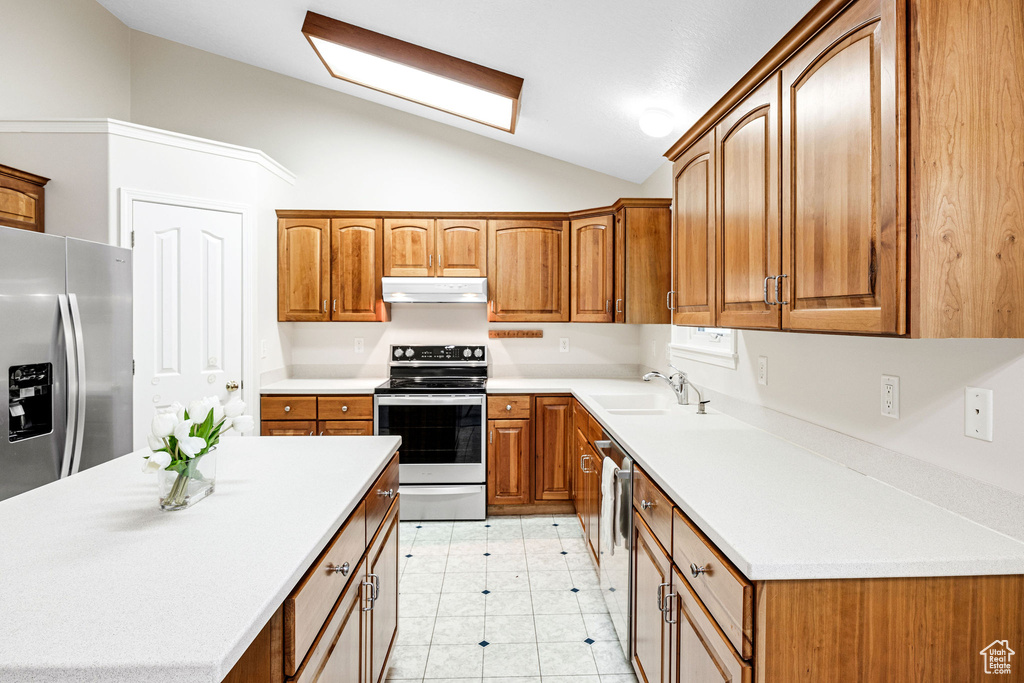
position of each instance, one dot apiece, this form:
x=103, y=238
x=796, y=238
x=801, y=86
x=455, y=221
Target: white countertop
x=98, y=584
x=780, y=511
x=290, y=387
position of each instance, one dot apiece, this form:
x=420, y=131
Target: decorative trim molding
x=148, y=134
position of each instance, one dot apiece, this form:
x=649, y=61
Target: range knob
x=467, y=353
x=409, y=353
x=478, y=353
x=398, y=353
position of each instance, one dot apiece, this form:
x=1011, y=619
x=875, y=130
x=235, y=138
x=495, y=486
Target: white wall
x=63, y=58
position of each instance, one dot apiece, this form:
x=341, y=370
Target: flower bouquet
x=181, y=447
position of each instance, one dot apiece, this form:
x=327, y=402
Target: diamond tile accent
x=409, y=555
x=483, y=643
x=487, y=554
x=486, y=592
x=554, y=525
x=611, y=589
x=589, y=641
x=487, y=525
x=563, y=553
x=575, y=590
x=419, y=526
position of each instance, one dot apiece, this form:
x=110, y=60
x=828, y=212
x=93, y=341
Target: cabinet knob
x=646, y=504
x=508, y=407
x=344, y=409
x=336, y=569
x=287, y=409
x=697, y=571
x=390, y=493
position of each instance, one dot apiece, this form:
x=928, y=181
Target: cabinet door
x=553, y=447
x=287, y=428
x=593, y=474
x=381, y=585
x=747, y=202
x=408, y=247
x=461, y=248
x=528, y=271
x=303, y=269
x=356, y=267
x=698, y=652
x=619, y=302
x=652, y=579
x=345, y=428
x=842, y=241
x=579, y=485
x=593, y=269
x=508, y=462
x=693, y=235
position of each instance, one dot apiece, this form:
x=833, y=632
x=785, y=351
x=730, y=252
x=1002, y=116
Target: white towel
x=606, y=525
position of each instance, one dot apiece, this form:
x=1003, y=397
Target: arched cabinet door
x=843, y=243
x=693, y=235
x=408, y=247
x=303, y=269
x=593, y=265
x=461, y=248
x=356, y=269
x=528, y=271
x=747, y=204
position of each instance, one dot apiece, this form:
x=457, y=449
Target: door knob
x=232, y=385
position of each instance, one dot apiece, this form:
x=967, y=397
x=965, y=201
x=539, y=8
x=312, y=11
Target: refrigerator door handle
x=76, y=320
x=72, y=386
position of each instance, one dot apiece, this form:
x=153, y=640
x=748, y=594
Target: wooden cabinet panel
x=380, y=497
x=261, y=661
x=653, y=505
x=381, y=584
x=22, y=199
x=593, y=269
x=345, y=428
x=345, y=407
x=356, y=269
x=698, y=651
x=287, y=427
x=303, y=269
x=508, y=462
x=288, y=407
x=652, y=579
x=594, y=469
x=643, y=264
x=337, y=654
x=408, y=247
x=461, y=248
x=619, y=304
x=693, y=235
x=747, y=203
x=841, y=235
x=528, y=270
x=508, y=407
x=553, y=447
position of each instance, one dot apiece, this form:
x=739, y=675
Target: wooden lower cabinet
x=381, y=585
x=288, y=428
x=652, y=580
x=552, y=447
x=345, y=428
x=508, y=462
x=345, y=660
x=316, y=415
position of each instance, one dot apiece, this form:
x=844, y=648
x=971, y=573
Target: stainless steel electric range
x=436, y=401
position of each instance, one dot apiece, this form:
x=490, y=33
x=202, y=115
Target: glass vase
x=195, y=481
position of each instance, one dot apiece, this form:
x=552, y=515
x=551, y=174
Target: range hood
x=435, y=290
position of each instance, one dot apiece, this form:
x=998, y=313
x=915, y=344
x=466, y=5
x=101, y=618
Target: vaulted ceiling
x=590, y=67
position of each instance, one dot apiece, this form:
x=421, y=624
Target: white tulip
x=243, y=423
x=191, y=445
x=155, y=461
x=234, y=408
x=200, y=408
x=155, y=442
x=218, y=412
x=183, y=429
x=164, y=424
x=175, y=409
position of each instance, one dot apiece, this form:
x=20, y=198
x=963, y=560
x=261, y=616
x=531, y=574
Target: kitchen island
x=98, y=584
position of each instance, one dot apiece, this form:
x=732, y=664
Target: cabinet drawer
x=308, y=606
x=288, y=408
x=287, y=428
x=345, y=428
x=724, y=590
x=508, y=407
x=654, y=506
x=596, y=433
x=380, y=497
x=345, y=407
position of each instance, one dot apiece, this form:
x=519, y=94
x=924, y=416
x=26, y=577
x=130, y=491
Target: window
x=714, y=345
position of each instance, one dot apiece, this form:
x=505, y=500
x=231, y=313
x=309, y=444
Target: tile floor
x=508, y=600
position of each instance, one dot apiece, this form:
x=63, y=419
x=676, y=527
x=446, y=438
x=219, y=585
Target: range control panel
x=443, y=354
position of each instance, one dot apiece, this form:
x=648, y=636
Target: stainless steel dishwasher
x=616, y=565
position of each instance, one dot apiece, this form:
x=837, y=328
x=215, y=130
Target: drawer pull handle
x=666, y=614
x=336, y=569
x=390, y=493
x=311, y=432
x=646, y=504
x=697, y=571
x=287, y=409
x=344, y=409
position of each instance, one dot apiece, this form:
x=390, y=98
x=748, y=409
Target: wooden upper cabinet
x=356, y=268
x=408, y=247
x=844, y=246
x=747, y=173
x=643, y=261
x=553, y=447
x=593, y=269
x=303, y=269
x=693, y=235
x=22, y=199
x=528, y=270
x=461, y=248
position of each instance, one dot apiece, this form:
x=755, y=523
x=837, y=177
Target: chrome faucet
x=680, y=384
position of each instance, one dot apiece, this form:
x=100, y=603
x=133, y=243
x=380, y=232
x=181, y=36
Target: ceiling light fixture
x=656, y=122
x=415, y=73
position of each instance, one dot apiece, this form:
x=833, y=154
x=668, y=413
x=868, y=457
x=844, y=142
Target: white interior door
x=188, y=306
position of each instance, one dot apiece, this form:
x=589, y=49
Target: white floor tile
x=599, y=627
x=547, y=562
x=501, y=604
x=465, y=582
x=579, y=560
x=425, y=564
x=610, y=658
x=504, y=533
x=572, y=679
x=508, y=581
x=408, y=662
x=476, y=547
x=560, y=628
x=555, y=602
x=454, y=661
x=418, y=604
x=573, y=545
x=511, y=660
x=415, y=630
x=592, y=601
x=460, y=605
x=506, y=547
x=458, y=631
x=421, y=583
x=510, y=629
x=566, y=659
x=535, y=546
x=459, y=564
x=618, y=678
x=506, y=563
x=585, y=579
x=550, y=581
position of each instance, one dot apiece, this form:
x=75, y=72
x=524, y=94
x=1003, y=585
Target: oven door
x=443, y=437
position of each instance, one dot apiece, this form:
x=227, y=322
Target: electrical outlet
x=563, y=345
x=762, y=370
x=891, y=396
x=978, y=413
x=263, y=348
x=358, y=345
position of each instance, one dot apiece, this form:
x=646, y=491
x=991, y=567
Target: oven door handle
x=432, y=400
x=411, y=491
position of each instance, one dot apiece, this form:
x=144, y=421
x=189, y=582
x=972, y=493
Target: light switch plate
x=891, y=396
x=978, y=413
x=762, y=370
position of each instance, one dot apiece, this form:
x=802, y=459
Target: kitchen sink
x=635, y=404
x=638, y=411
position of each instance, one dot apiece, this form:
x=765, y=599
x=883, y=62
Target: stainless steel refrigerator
x=66, y=357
